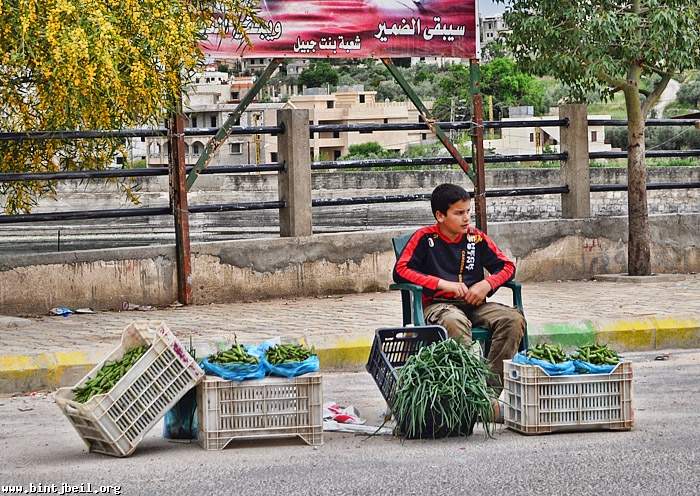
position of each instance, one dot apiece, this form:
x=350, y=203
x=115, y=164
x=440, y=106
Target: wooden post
x=477, y=134
x=294, y=182
x=576, y=204
x=178, y=203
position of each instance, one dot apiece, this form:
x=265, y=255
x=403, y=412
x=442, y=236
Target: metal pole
x=215, y=143
x=477, y=133
x=178, y=204
x=432, y=124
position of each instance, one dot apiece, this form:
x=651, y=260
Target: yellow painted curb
x=628, y=334
x=677, y=332
x=650, y=333
x=25, y=373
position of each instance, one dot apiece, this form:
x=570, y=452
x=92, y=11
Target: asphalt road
x=659, y=456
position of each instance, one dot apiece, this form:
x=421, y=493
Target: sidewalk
x=45, y=352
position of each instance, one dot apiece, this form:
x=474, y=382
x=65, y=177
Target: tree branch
x=616, y=84
x=656, y=70
x=654, y=96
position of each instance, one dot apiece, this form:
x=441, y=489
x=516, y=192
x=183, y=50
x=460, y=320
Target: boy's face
x=456, y=220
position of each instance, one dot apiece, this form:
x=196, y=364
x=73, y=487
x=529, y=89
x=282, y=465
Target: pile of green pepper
x=235, y=354
x=551, y=353
x=288, y=353
x=597, y=354
x=108, y=375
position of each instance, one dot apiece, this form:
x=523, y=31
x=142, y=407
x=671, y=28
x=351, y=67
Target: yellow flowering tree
x=94, y=64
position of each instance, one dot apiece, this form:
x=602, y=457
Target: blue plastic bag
x=583, y=367
x=564, y=368
x=181, y=420
x=294, y=369
x=237, y=371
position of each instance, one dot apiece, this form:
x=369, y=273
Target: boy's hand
x=477, y=293
x=459, y=289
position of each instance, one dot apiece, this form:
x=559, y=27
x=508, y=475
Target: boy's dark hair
x=445, y=195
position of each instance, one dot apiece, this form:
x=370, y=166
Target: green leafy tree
x=390, y=90
x=319, y=74
x=89, y=64
x=632, y=46
x=500, y=78
x=511, y=87
x=370, y=149
x=689, y=92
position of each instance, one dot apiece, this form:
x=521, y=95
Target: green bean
x=443, y=384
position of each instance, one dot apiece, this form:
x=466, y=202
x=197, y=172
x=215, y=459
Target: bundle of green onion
x=442, y=391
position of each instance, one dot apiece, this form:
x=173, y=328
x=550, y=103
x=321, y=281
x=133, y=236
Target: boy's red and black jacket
x=430, y=256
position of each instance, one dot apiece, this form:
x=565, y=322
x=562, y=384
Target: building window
x=532, y=137
x=424, y=136
x=187, y=149
x=212, y=121
x=235, y=148
x=193, y=119
x=336, y=134
x=273, y=156
x=594, y=136
x=362, y=98
x=330, y=104
x=197, y=148
x=236, y=95
x=386, y=121
x=336, y=154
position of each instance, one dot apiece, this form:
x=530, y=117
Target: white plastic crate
x=114, y=423
x=260, y=409
x=538, y=404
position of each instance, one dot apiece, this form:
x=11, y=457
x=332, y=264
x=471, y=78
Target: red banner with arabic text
x=357, y=29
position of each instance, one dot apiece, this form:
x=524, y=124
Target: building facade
x=208, y=105
x=540, y=139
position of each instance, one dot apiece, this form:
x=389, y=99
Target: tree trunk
x=639, y=247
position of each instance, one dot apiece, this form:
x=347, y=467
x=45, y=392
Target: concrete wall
x=321, y=264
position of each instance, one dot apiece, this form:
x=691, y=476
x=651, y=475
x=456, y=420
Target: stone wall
x=321, y=264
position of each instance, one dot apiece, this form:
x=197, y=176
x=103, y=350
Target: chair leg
x=406, y=307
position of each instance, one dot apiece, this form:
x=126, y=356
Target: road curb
x=643, y=334
x=26, y=373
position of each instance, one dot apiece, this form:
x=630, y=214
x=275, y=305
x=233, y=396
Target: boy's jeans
x=506, y=323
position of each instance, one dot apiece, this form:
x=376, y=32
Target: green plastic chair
x=412, y=304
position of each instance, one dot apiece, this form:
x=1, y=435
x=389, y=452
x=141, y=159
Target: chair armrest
x=517, y=294
x=404, y=285
x=415, y=301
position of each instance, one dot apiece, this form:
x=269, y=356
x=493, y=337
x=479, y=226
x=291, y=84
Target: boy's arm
x=414, y=254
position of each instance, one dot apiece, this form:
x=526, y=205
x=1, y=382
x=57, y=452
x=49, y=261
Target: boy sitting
x=448, y=260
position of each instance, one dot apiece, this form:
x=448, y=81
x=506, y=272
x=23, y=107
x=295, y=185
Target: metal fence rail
x=316, y=166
